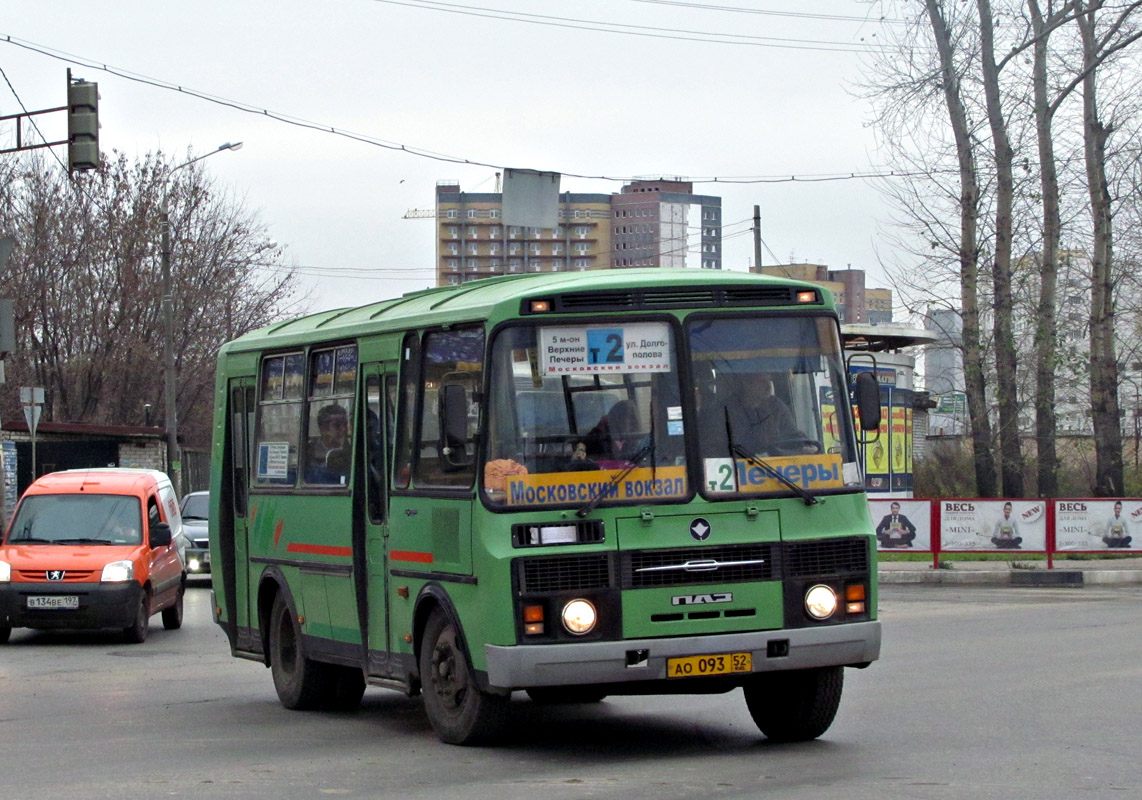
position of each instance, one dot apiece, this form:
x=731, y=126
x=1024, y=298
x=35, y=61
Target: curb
x=1076, y=578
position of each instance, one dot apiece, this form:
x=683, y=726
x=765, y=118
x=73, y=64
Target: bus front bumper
x=525, y=666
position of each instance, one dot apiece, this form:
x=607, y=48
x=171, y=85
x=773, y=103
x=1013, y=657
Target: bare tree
x=87, y=274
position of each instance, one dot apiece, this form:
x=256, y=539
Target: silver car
x=195, y=517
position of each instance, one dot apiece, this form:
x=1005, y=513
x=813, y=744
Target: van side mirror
x=160, y=535
x=867, y=396
x=454, y=428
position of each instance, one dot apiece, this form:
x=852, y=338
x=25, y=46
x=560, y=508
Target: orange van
x=93, y=548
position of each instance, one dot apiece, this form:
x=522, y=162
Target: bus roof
x=502, y=295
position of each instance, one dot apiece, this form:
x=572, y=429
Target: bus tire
x=300, y=682
x=136, y=633
x=795, y=706
x=172, y=615
x=557, y=695
x=459, y=711
x=5, y=632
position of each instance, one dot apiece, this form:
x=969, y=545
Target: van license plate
x=67, y=602
x=720, y=664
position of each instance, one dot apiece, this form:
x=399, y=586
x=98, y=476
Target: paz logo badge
x=700, y=529
x=55, y=574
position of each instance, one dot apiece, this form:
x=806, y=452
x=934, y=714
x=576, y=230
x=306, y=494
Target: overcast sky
x=501, y=93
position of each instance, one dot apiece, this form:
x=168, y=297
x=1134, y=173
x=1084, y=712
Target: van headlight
x=5, y=572
x=821, y=601
x=118, y=572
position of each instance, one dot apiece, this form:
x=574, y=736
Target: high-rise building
x=856, y=305
x=649, y=224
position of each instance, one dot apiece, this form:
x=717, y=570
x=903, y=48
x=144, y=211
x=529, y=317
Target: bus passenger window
x=332, y=377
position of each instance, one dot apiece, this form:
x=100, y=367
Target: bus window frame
x=691, y=400
x=299, y=486
x=677, y=326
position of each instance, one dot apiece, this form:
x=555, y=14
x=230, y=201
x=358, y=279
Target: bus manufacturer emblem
x=701, y=599
x=700, y=529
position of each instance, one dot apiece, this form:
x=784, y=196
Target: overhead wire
x=678, y=34
x=413, y=150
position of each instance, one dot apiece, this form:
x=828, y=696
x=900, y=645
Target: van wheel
x=459, y=711
x=4, y=634
x=795, y=706
x=299, y=681
x=172, y=616
x=137, y=633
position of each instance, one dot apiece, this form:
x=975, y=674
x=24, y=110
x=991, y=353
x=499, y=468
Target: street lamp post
x=174, y=465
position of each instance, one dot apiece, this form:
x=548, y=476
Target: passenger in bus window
x=328, y=460
x=767, y=426
x=617, y=436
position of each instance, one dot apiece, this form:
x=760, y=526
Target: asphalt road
x=981, y=692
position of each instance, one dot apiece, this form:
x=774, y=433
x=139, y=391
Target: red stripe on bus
x=410, y=555
x=278, y=532
x=319, y=549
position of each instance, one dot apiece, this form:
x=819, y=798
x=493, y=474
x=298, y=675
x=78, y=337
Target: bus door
x=233, y=544
x=369, y=561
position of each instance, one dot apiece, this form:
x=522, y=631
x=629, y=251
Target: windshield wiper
x=30, y=540
x=752, y=458
x=635, y=460
x=82, y=540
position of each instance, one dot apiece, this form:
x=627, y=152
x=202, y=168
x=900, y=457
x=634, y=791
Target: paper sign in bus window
x=635, y=347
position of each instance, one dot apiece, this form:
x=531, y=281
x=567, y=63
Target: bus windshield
x=770, y=396
x=579, y=411
x=573, y=406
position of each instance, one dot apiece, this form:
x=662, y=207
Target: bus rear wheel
x=300, y=682
x=5, y=632
x=795, y=706
x=459, y=711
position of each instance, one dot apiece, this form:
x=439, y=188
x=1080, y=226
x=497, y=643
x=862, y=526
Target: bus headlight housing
x=579, y=617
x=821, y=601
x=118, y=572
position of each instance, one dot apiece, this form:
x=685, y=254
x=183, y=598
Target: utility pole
x=757, y=238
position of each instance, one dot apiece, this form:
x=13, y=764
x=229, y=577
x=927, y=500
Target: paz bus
x=565, y=484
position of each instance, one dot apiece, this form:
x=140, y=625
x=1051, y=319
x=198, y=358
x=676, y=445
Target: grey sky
x=510, y=94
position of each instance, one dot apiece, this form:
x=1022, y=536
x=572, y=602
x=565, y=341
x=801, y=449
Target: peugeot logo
x=55, y=574
x=700, y=529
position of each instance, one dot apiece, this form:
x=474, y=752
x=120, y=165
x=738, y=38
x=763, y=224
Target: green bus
x=571, y=484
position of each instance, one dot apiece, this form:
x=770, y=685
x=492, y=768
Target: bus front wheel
x=299, y=681
x=459, y=711
x=795, y=706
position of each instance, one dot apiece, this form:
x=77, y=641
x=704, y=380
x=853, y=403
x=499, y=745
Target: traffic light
x=82, y=125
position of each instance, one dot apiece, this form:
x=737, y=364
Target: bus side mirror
x=160, y=535
x=867, y=396
x=454, y=428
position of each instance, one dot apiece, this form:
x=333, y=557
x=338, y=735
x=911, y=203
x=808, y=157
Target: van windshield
x=71, y=518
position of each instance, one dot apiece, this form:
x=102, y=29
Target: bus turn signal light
x=533, y=620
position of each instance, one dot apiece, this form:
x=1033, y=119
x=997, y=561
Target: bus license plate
x=67, y=602
x=698, y=666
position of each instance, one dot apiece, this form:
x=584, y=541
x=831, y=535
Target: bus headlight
x=821, y=601
x=118, y=572
x=579, y=617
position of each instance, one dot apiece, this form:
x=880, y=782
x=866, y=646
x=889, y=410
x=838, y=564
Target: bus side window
x=454, y=359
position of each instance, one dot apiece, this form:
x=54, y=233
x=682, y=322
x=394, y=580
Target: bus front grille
x=642, y=569
x=565, y=573
x=826, y=557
